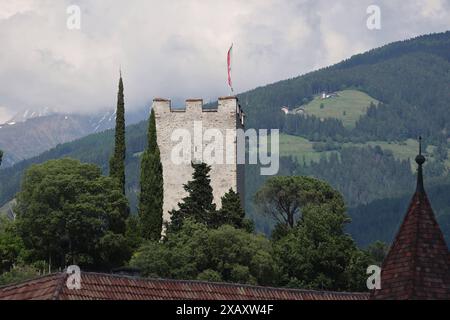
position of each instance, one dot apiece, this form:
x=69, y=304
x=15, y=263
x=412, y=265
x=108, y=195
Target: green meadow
x=348, y=106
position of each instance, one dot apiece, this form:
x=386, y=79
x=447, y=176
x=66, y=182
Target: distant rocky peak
x=28, y=114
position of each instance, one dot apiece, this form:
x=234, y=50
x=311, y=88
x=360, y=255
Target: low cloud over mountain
x=177, y=48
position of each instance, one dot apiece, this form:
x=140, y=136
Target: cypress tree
x=151, y=197
x=117, y=162
x=1, y=157
x=198, y=205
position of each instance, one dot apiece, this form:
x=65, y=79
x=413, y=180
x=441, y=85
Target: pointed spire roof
x=418, y=263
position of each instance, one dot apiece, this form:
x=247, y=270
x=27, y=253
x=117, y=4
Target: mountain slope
x=30, y=133
x=22, y=140
x=95, y=148
x=381, y=219
x=409, y=78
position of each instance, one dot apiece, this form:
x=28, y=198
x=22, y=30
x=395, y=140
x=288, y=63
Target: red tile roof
x=96, y=286
x=43, y=288
x=418, y=264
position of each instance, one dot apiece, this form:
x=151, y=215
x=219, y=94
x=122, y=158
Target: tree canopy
x=283, y=198
x=310, y=245
x=317, y=254
x=12, y=249
x=68, y=213
x=196, y=252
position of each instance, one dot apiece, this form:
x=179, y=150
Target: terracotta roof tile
x=418, y=264
x=113, y=287
x=42, y=288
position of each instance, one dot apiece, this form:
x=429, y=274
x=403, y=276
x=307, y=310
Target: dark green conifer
x=151, y=197
x=117, y=162
x=198, y=205
x=231, y=213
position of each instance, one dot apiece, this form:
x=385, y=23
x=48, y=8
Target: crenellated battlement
x=225, y=105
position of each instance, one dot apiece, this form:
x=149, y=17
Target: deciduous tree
x=196, y=252
x=283, y=198
x=68, y=213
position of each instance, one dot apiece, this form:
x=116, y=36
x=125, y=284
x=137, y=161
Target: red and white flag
x=229, y=57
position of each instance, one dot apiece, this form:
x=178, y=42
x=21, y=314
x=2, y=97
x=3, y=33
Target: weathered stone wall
x=228, y=115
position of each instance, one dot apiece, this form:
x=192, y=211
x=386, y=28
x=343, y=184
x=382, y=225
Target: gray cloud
x=177, y=48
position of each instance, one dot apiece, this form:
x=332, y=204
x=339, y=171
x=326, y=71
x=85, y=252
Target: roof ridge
x=420, y=197
x=235, y=285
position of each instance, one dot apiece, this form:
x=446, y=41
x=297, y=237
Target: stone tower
x=225, y=119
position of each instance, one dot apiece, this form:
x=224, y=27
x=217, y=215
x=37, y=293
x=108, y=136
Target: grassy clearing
x=302, y=149
x=299, y=148
x=402, y=150
x=349, y=106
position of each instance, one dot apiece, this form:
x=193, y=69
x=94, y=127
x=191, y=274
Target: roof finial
x=420, y=145
x=420, y=160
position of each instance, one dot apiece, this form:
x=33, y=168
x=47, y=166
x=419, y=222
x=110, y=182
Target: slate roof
x=95, y=286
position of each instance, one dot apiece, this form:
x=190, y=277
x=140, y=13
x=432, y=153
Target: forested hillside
x=96, y=148
x=410, y=78
x=380, y=219
x=367, y=162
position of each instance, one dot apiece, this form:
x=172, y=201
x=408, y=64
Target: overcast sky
x=177, y=49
